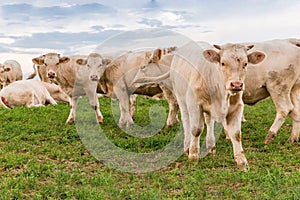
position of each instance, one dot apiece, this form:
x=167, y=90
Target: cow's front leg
x=94, y=102
x=234, y=120
x=125, y=117
x=73, y=105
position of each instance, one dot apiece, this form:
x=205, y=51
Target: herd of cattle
x=206, y=83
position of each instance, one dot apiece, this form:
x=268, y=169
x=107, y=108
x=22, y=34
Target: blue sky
x=72, y=27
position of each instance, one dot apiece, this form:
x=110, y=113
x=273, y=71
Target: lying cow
x=31, y=93
x=211, y=89
x=56, y=92
x=10, y=71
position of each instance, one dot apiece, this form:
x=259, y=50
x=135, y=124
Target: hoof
x=241, y=162
x=292, y=140
x=70, y=121
x=270, y=137
x=100, y=120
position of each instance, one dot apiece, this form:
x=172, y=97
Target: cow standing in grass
x=277, y=76
x=65, y=71
x=212, y=90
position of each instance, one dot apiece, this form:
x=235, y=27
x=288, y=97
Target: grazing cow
x=211, y=90
x=279, y=77
x=31, y=93
x=10, y=71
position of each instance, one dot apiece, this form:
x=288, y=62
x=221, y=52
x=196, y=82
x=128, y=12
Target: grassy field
x=41, y=157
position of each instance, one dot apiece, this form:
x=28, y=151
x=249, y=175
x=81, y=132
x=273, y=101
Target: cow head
x=159, y=64
x=233, y=60
x=3, y=70
x=96, y=65
x=52, y=62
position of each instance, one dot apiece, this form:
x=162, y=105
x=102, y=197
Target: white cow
x=86, y=83
x=279, y=77
x=10, y=71
x=209, y=89
x=56, y=92
x=31, y=93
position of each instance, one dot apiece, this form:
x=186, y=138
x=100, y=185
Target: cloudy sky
x=71, y=27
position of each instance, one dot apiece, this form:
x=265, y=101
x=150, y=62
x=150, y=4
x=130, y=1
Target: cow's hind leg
x=123, y=96
x=173, y=107
x=295, y=97
x=186, y=124
x=283, y=106
x=196, y=127
x=210, y=135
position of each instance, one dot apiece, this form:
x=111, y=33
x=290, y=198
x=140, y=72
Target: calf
x=86, y=83
x=211, y=90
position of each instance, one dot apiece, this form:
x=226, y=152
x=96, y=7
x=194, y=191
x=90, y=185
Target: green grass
x=41, y=157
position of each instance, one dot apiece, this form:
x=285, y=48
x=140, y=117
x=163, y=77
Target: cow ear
x=256, y=57
x=64, y=59
x=38, y=60
x=106, y=61
x=157, y=55
x=81, y=61
x=211, y=56
x=249, y=47
x=217, y=47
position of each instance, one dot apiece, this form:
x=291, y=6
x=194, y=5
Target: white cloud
x=7, y=40
x=76, y=26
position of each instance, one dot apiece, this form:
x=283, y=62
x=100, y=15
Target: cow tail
x=31, y=76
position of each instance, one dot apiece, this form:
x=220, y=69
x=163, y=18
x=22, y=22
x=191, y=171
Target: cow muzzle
x=51, y=75
x=236, y=86
x=94, y=78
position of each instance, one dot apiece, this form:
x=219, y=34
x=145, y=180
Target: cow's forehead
x=95, y=59
x=51, y=58
x=234, y=53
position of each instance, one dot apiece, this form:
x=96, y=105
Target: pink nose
x=236, y=86
x=94, y=77
x=51, y=74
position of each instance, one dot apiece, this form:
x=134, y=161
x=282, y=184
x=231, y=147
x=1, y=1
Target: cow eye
x=223, y=64
x=57, y=64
